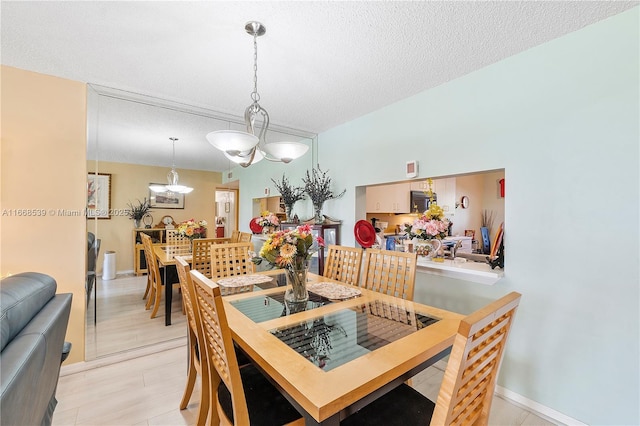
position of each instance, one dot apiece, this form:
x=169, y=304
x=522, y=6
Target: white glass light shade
x=232, y=142
x=180, y=189
x=244, y=157
x=158, y=188
x=285, y=151
x=173, y=186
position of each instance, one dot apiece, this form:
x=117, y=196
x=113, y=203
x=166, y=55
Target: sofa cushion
x=22, y=297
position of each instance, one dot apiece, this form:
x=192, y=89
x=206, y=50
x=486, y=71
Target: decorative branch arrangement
x=288, y=193
x=487, y=219
x=318, y=186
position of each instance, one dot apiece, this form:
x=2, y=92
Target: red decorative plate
x=255, y=227
x=365, y=233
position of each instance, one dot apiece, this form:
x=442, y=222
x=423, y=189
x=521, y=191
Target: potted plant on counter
x=137, y=212
x=289, y=195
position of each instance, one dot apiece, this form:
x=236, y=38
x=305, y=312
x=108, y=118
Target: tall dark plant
x=317, y=185
x=137, y=212
x=289, y=194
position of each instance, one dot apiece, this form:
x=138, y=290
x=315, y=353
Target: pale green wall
x=562, y=120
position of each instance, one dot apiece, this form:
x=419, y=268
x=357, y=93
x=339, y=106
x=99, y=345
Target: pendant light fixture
x=172, y=177
x=246, y=148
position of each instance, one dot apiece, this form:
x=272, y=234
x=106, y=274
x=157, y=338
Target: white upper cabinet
x=392, y=198
x=395, y=198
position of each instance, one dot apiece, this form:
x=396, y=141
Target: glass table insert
x=337, y=338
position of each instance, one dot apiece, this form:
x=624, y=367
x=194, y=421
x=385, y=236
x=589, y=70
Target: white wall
x=562, y=120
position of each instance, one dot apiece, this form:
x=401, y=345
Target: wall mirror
x=128, y=137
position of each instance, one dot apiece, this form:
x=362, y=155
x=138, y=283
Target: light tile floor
x=147, y=391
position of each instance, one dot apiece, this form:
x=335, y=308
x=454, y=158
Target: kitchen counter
x=459, y=269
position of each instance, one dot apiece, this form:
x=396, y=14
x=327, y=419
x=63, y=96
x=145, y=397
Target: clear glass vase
x=317, y=213
x=288, y=210
x=297, y=281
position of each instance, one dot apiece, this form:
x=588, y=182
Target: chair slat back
x=244, y=237
x=152, y=264
x=197, y=356
x=235, y=236
x=153, y=275
x=470, y=378
x=343, y=264
x=232, y=259
x=174, y=238
x=188, y=299
x=201, y=252
x=219, y=350
x=389, y=272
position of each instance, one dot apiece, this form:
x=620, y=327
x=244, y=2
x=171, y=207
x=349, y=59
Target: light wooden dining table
x=331, y=357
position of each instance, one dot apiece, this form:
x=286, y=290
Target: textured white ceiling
x=320, y=63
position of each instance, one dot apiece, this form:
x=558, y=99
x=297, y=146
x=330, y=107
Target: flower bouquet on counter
x=268, y=221
x=431, y=224
x=192, y=229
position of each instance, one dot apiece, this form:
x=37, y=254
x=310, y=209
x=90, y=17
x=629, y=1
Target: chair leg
x=146, y=290
x=191, y=372
x=152, y=293
x=156, y=304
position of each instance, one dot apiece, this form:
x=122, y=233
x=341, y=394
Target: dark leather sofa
x=33, y=320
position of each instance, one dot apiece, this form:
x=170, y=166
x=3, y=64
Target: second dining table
x=343, y=348
x=165, y=254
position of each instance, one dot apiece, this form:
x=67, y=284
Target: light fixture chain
x=173, y=160
x=255, y=96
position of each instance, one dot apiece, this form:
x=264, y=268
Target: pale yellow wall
x=44, y=169
x=129, y=183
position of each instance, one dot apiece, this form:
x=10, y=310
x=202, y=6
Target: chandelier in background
x=172, y=177
x=246, y=148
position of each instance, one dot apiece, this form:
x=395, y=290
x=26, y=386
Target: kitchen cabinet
x=392, y=198
x=273, y=205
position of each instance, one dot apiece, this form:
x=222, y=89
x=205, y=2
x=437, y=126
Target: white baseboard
x=79, y=367
x=538, y=409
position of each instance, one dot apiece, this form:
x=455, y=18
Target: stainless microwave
x=421, y=201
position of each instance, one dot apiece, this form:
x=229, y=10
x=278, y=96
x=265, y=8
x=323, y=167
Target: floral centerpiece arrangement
x=268, y=221
x=289, y=195
x=192, y=229
x=317, y=185
x=291, y=250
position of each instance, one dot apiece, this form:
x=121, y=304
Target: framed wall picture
x=165, y=200
x=99, y=195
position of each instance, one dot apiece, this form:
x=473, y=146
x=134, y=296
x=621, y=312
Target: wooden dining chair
x=469, y=381
x=153, y=273
x=343, y=264
x=389, y=272
x=235, y=236
x=195, y=343
x=239, y=396
x=175, y=239
x=244, y=237
x=201, y=252
x=153, y=276
x=228, y=260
